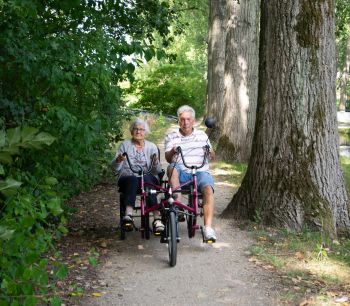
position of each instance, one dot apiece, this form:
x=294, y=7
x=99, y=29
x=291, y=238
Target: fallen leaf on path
x=299, y=255
x=96, y=294
x=342, y=299
x=103, y=244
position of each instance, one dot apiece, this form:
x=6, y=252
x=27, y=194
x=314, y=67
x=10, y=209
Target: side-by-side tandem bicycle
x=169, y=207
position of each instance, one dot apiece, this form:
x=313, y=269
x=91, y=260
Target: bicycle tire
x=172, y=238
x=146, y=227
x=121, y=215
x=191, y=218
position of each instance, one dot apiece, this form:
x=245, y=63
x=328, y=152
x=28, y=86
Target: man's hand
x=169, y=156
x=211, y=154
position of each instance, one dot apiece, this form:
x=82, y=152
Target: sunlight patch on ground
x=226, y=184
x=219, y=245
x=218, y=171
x=328, y=268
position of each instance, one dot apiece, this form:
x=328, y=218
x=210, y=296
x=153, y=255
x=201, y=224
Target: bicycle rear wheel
x=121, y=216
x=172, y=238
x=145, y=223
x=146, y=227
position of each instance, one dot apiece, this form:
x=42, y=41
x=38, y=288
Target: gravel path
x=136, y=271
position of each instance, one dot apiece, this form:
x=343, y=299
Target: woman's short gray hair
x=186, y=108
x=137, y=122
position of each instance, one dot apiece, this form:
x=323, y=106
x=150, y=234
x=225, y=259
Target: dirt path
x=136, y=271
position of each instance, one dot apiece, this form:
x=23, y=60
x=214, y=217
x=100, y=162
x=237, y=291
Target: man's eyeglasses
x=138, y=130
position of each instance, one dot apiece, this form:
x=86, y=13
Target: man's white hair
x=186, y=108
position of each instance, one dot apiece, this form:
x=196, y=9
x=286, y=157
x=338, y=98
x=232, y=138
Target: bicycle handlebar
x=140, y=171
x=206, y=150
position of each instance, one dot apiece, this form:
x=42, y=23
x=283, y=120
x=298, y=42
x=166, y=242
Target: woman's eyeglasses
x=138, y=130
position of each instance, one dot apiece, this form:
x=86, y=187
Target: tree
x=294, y=177
x=241, y=80
x=232, y=75
x=216, y=59
x=343, y=50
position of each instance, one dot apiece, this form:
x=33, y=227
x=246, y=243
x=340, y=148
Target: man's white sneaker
x=158, y=226
x=209, y=234
x=128, y=218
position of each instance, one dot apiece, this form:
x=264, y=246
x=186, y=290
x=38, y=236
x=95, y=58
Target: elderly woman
x=140, y=153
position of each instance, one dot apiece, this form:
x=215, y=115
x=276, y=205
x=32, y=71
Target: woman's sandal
x=128, y=223
x=158, y=227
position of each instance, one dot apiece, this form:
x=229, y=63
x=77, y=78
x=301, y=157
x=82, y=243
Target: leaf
x=51, y=181
x=5, y=233
x=54, y=206
x=9, y=186
x=14, y=136
x=96, y=294
x=5, y=158
x=93, y=261
x=45, y=138
x=28, y=133
x=56, y=301
x=39, y=140
x=2, y=138
x=30, y=301
x=13, y=149
x=62, y=272
x=2, y=170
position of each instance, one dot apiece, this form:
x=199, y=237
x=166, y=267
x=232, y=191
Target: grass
x=229, y=173
x=311, y=271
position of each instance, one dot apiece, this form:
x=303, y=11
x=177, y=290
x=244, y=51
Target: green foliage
x=169, y=87
x=28, y=207
x=60, y=65
x=345, y=165
x=161, y=86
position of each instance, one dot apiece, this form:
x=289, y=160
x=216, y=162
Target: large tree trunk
x=294, y=176
x=216, y=59
x=241, y=80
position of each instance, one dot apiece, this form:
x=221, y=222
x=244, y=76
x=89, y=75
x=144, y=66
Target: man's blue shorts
x=203, y=177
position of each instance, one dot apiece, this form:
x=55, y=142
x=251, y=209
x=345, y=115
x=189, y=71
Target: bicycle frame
x=143, y=195
x=168, y=206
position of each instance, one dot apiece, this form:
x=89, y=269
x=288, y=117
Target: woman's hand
x=120, y=158
x=154, y=159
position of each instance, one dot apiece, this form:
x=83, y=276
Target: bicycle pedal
x=128, y=227
x=181, y=217
x=210, y=241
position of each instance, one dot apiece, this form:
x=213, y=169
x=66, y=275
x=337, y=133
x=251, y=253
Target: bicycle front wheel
x=172, y=238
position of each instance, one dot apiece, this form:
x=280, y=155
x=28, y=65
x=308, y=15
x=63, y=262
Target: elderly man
x=191, y=142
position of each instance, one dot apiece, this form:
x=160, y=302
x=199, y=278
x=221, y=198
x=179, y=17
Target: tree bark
x=241, y=80
x=344, y=80
x=216, y=59
x=294, y=177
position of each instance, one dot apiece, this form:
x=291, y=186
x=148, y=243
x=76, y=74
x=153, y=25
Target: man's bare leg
x=174, y=180
x=208, y=205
